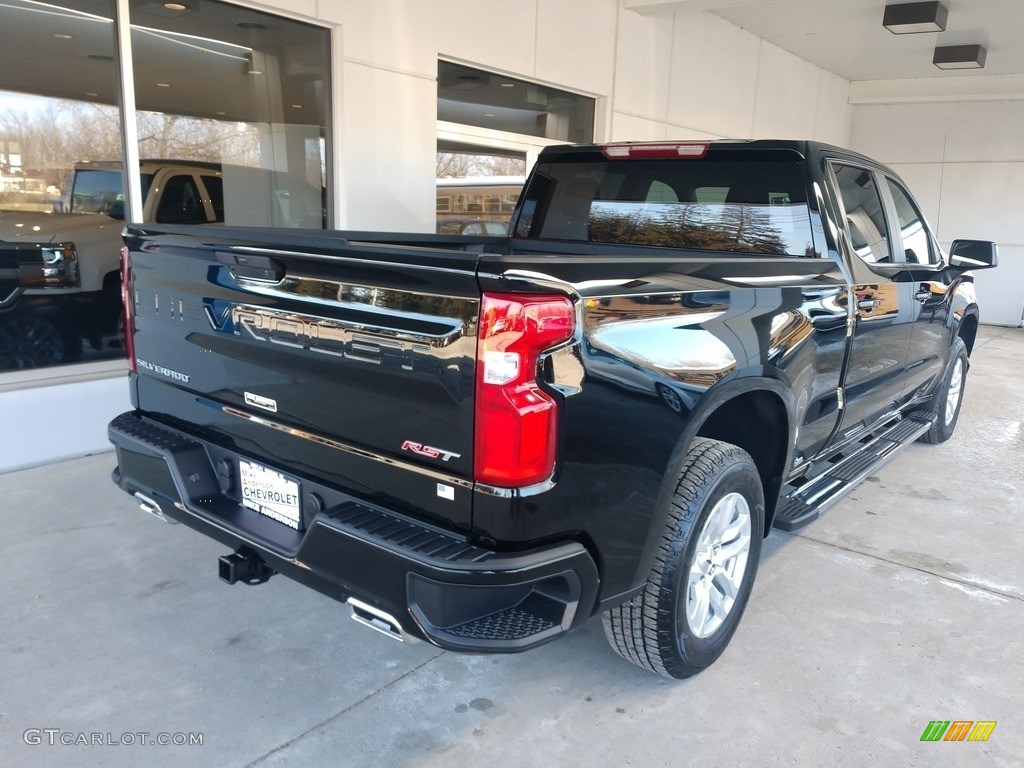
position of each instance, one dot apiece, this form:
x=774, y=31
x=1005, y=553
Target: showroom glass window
x=59, y=298
x=232, y=125
x=503, y=123
x=243, y=91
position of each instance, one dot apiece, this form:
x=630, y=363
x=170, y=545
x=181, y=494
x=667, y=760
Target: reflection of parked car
x=59, y=272
x=59, y=278
x=603, y=365
x=484, y=228
x=472, y=227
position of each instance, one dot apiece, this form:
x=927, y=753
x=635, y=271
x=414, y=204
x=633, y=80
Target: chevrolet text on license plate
x=270, y=493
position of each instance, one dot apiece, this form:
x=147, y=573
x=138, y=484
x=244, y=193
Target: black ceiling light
x=959, y=57
x=911, y=18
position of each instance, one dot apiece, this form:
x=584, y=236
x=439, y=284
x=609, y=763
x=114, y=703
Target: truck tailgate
x=352, y=363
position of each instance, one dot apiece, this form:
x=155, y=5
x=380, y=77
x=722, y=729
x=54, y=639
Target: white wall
x=694, y=75
x=50, y=423
x=964, y=162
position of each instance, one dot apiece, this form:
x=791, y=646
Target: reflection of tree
x=734, y=227
x=459, y=165
x=62, y=133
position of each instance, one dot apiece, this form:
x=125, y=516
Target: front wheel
x=704, y=570
x=946, y=402
x=34, y=342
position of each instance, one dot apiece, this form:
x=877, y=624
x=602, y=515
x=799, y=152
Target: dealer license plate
x=270, y=493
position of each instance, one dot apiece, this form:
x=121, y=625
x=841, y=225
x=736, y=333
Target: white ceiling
x=202, y=58
x=846, y=37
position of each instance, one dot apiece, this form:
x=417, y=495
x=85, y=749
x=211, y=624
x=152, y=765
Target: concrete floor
x=902, y=604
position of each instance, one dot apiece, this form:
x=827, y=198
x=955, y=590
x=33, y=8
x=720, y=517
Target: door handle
x=923, y=295
x=252, y=266
x=868, y=304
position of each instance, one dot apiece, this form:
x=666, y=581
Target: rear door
x=884, y=309
x=349, y=363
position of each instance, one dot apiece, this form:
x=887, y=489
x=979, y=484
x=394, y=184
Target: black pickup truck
x=485, y=441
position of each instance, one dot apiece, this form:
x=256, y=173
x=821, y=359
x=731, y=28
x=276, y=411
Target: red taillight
x=127, y=304
x=660, y=150
x=516, y=420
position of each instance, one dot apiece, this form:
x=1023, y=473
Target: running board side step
x=803, y=505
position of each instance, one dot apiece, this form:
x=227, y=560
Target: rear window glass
x=740, y=206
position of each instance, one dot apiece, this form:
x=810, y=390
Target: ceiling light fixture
x=911, y=18
x=959, y=57
x=62, y=36
x=163, y=85
x=175, y=6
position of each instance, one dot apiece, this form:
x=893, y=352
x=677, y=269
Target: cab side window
x=180, y=202
x=917, y=247
x=215, y=189
x=865, y=215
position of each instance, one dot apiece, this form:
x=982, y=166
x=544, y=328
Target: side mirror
x=973, y=254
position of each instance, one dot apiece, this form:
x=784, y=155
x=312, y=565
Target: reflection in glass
x=59, y=289
x=750, y=207
x=477, y=189
x=486, y=99
x=233, y=102
x=916, y=245
x=242, y=89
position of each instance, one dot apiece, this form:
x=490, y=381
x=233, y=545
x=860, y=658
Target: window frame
x=934, y=257
x=843, y=214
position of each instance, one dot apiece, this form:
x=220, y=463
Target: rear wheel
x=704, y=570
x=946, y=402
x=34, y=342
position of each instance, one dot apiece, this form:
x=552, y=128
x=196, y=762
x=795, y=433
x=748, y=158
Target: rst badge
x=429, y=451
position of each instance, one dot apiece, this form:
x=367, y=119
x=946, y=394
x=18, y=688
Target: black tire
x=27, y=341
x=652, y=630
x=951, y=385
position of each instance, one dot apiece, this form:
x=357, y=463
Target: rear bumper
x=435, y=583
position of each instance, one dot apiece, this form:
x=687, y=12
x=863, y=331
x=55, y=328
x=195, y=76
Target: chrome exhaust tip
x=146, y=504
x=376, y=619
